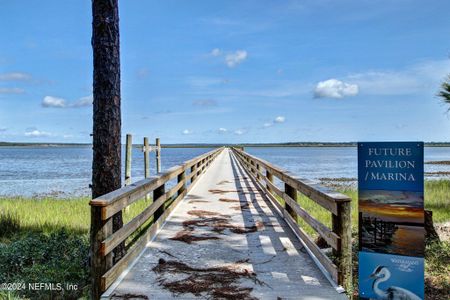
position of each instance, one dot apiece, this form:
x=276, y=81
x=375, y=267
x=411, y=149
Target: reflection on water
x=407, y=240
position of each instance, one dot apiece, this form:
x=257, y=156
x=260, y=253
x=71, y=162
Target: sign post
x=391, y=220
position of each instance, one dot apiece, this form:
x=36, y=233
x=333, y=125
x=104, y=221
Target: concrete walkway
x=224, y=241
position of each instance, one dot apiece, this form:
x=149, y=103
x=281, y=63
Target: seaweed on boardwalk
x=223, y=182
x=221, y=192
x=186, y=235
x=204, y=213
x=198, y=201
x=217, y=222
x=214, y=282
x=228, y=200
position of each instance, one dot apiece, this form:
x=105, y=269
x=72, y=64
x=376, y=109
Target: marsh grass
x=47, y=240
x=47, y=215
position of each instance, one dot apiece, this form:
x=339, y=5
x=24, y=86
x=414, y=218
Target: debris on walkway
x=216, y=282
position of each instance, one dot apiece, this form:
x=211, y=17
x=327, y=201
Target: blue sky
x=231, y=71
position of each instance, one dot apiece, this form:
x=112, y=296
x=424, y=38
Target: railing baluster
x=158, y=192
x=269, y=177
x=181, y=178
x=100, y=230
x=291, y=192
x=193, y=173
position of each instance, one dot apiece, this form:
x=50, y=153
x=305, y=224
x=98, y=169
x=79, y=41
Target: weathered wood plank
x=109, y=277
x=330, y=237
x=324, y=260
x=122, y=234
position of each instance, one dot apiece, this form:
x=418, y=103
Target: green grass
x=49, y=214
x=47, y=240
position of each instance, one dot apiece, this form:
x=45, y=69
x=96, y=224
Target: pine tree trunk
x=106, y=164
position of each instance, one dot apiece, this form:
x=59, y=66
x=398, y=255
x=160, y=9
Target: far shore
x=214, y=145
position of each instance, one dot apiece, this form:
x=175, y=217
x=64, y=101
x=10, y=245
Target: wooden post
x=291, y=192
x=180, y=178
x=100, y=264
x=146, y=162
x=252, y=169
x=158, y=156
x=269, y=176
x=158, y=192
x=342, y=226
x=146, y=159
x=258, y=171
x=193, y=171
x=129, y=145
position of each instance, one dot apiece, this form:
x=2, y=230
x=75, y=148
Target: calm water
x=65, y=172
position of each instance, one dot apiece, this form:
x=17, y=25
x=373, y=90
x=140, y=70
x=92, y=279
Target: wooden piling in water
x=146, y=159
x=158, y=155
x=128, y=146
x=146, y=162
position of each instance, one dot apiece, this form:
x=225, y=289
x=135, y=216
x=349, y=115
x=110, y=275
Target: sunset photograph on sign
x=392, y=222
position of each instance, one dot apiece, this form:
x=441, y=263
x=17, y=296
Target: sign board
x=391, y=220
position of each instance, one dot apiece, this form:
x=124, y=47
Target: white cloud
x=83, y=102
x=279, y=119
x=187, y=131
x=239, y=131
x=333, y=88
x=11, y=91
x=15, y=76
x=216, y=52
x=50, y=101
x=37, y=133
x=222, y=130
x=233, y=59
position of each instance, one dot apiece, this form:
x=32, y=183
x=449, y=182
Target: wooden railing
x=339, y=206
x=103, y=240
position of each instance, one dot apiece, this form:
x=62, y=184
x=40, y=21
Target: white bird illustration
x=382, y=274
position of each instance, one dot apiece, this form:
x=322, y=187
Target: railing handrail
x=147, y=183
x=301, y=183
x=339, y=205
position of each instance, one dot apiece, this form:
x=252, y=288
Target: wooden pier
x=216, y=229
